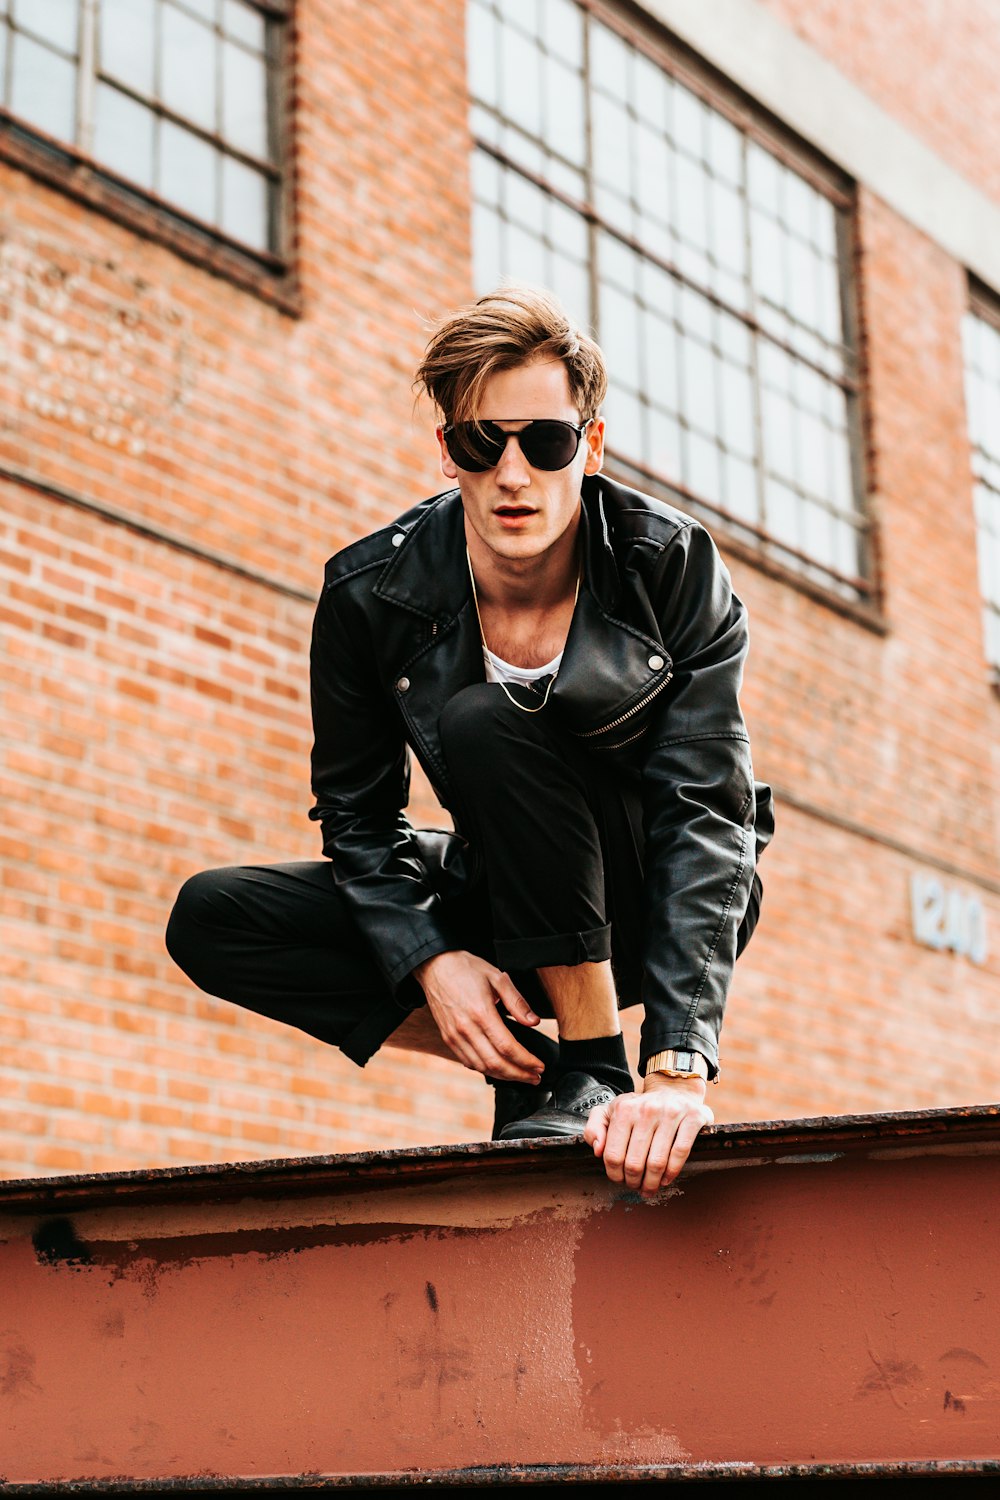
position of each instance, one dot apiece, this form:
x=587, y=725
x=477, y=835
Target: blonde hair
x=514, y=325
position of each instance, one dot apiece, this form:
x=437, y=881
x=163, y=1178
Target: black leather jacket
x=650, y=676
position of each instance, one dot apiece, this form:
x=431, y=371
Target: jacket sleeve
x=698, y=804
x=360, y=780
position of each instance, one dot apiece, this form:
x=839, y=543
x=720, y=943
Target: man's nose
x=513, y=472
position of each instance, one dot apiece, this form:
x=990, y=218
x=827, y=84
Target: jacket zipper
x=588, y=734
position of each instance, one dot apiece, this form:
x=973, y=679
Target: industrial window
x=981, y=338
x=706, y=257
x=174, y=97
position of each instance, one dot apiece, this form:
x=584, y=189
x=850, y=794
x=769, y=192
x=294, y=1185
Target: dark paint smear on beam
x=56, y=1244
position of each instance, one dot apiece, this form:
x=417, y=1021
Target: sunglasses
x=548, y=444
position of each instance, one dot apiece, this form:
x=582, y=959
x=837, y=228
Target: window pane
x=522, y=82
x=702, y=470
x=562, y=30
x=568, y=230
x=624, y=419
x=782, y=513
x=187, y=72
x=611, y=144
x=609, y=61
x=779, y=444
x=55, y=21
x=244, y=100
x=697, y=384
x=728, y=243
x=187, y=171
x=692, y=219
x=689, y=122
x=487, y=263
x=652, y=175
x=737, y=409
x=619, y=325
x=128, y=31
x=244, y=203
x=123, y=136
x=242, y=22
x=725, y=151
x=525, y=255
x=43, y=92
x=663, y=453
x=481, y=51
x=739, y=493
x=564, y=118
x=523, y=201
x=661, y=363
x=652, y=93
x=571, y=283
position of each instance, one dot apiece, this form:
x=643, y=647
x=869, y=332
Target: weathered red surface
x=811, y=1294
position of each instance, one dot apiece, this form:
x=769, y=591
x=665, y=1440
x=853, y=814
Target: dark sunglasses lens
x=546, y=445
x=549, y=445
x=472, y=447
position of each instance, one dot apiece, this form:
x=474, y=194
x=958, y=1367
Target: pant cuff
x=378, y=1024
x=563, y=948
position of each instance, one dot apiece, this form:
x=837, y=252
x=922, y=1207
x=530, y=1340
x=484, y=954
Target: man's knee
x=195, y=912
x=469, y=713
x=478, y=725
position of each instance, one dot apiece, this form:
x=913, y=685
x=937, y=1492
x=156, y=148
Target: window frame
x=270, y=274
x=983, y=303
x=685, y=66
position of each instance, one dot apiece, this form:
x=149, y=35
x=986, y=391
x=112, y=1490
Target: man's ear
x=595, y=447
x=448, y=468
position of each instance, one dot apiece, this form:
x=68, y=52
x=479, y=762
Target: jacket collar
x=428, y=573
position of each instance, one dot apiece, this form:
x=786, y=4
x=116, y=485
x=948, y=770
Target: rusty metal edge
x=310, y=1174
x=502, y=1475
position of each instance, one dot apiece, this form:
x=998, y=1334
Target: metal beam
x=813, y=1297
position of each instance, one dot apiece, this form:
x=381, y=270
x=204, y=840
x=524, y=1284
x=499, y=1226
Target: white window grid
x=981, y=343
x=709, y=266
x=177, y=98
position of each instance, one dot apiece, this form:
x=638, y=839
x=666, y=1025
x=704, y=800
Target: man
x=564, y=656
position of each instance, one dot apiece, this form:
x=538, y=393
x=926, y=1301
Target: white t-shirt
x=498, y=670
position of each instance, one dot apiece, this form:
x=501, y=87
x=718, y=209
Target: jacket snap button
x=403, y=684
x=656, y=662
x=398, y=539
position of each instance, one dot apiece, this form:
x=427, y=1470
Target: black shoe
x=514, y=1101
x=573, y=1097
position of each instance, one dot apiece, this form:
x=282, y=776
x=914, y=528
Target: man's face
x=516, y=510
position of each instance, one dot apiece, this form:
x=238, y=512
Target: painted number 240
x=945, y=917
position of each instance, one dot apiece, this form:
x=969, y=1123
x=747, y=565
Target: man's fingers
x=514, y=1001
x=687, y=1134
x=494, y=1052
x=639, y=1142
x=595, y=1132
x=500, y=1039
x=657, y=1157
x=616, y=1145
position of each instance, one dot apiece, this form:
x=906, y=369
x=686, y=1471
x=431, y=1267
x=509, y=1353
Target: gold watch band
x=677, y=1064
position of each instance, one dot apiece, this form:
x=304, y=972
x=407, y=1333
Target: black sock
x=538, y=1044
x=603, y=1057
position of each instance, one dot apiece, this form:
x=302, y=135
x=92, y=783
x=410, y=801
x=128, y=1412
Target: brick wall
x=153, y=718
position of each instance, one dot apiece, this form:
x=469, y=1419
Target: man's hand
x=645, y=1138
x=463, y=992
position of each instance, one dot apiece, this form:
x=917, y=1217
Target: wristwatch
x=676, y=1064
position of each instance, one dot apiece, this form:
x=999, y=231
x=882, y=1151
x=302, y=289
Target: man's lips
x=514, y=512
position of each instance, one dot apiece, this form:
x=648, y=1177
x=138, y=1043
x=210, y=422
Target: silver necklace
x=482, y=637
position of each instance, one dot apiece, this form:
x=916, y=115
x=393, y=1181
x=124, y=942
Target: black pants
x=556, y=841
